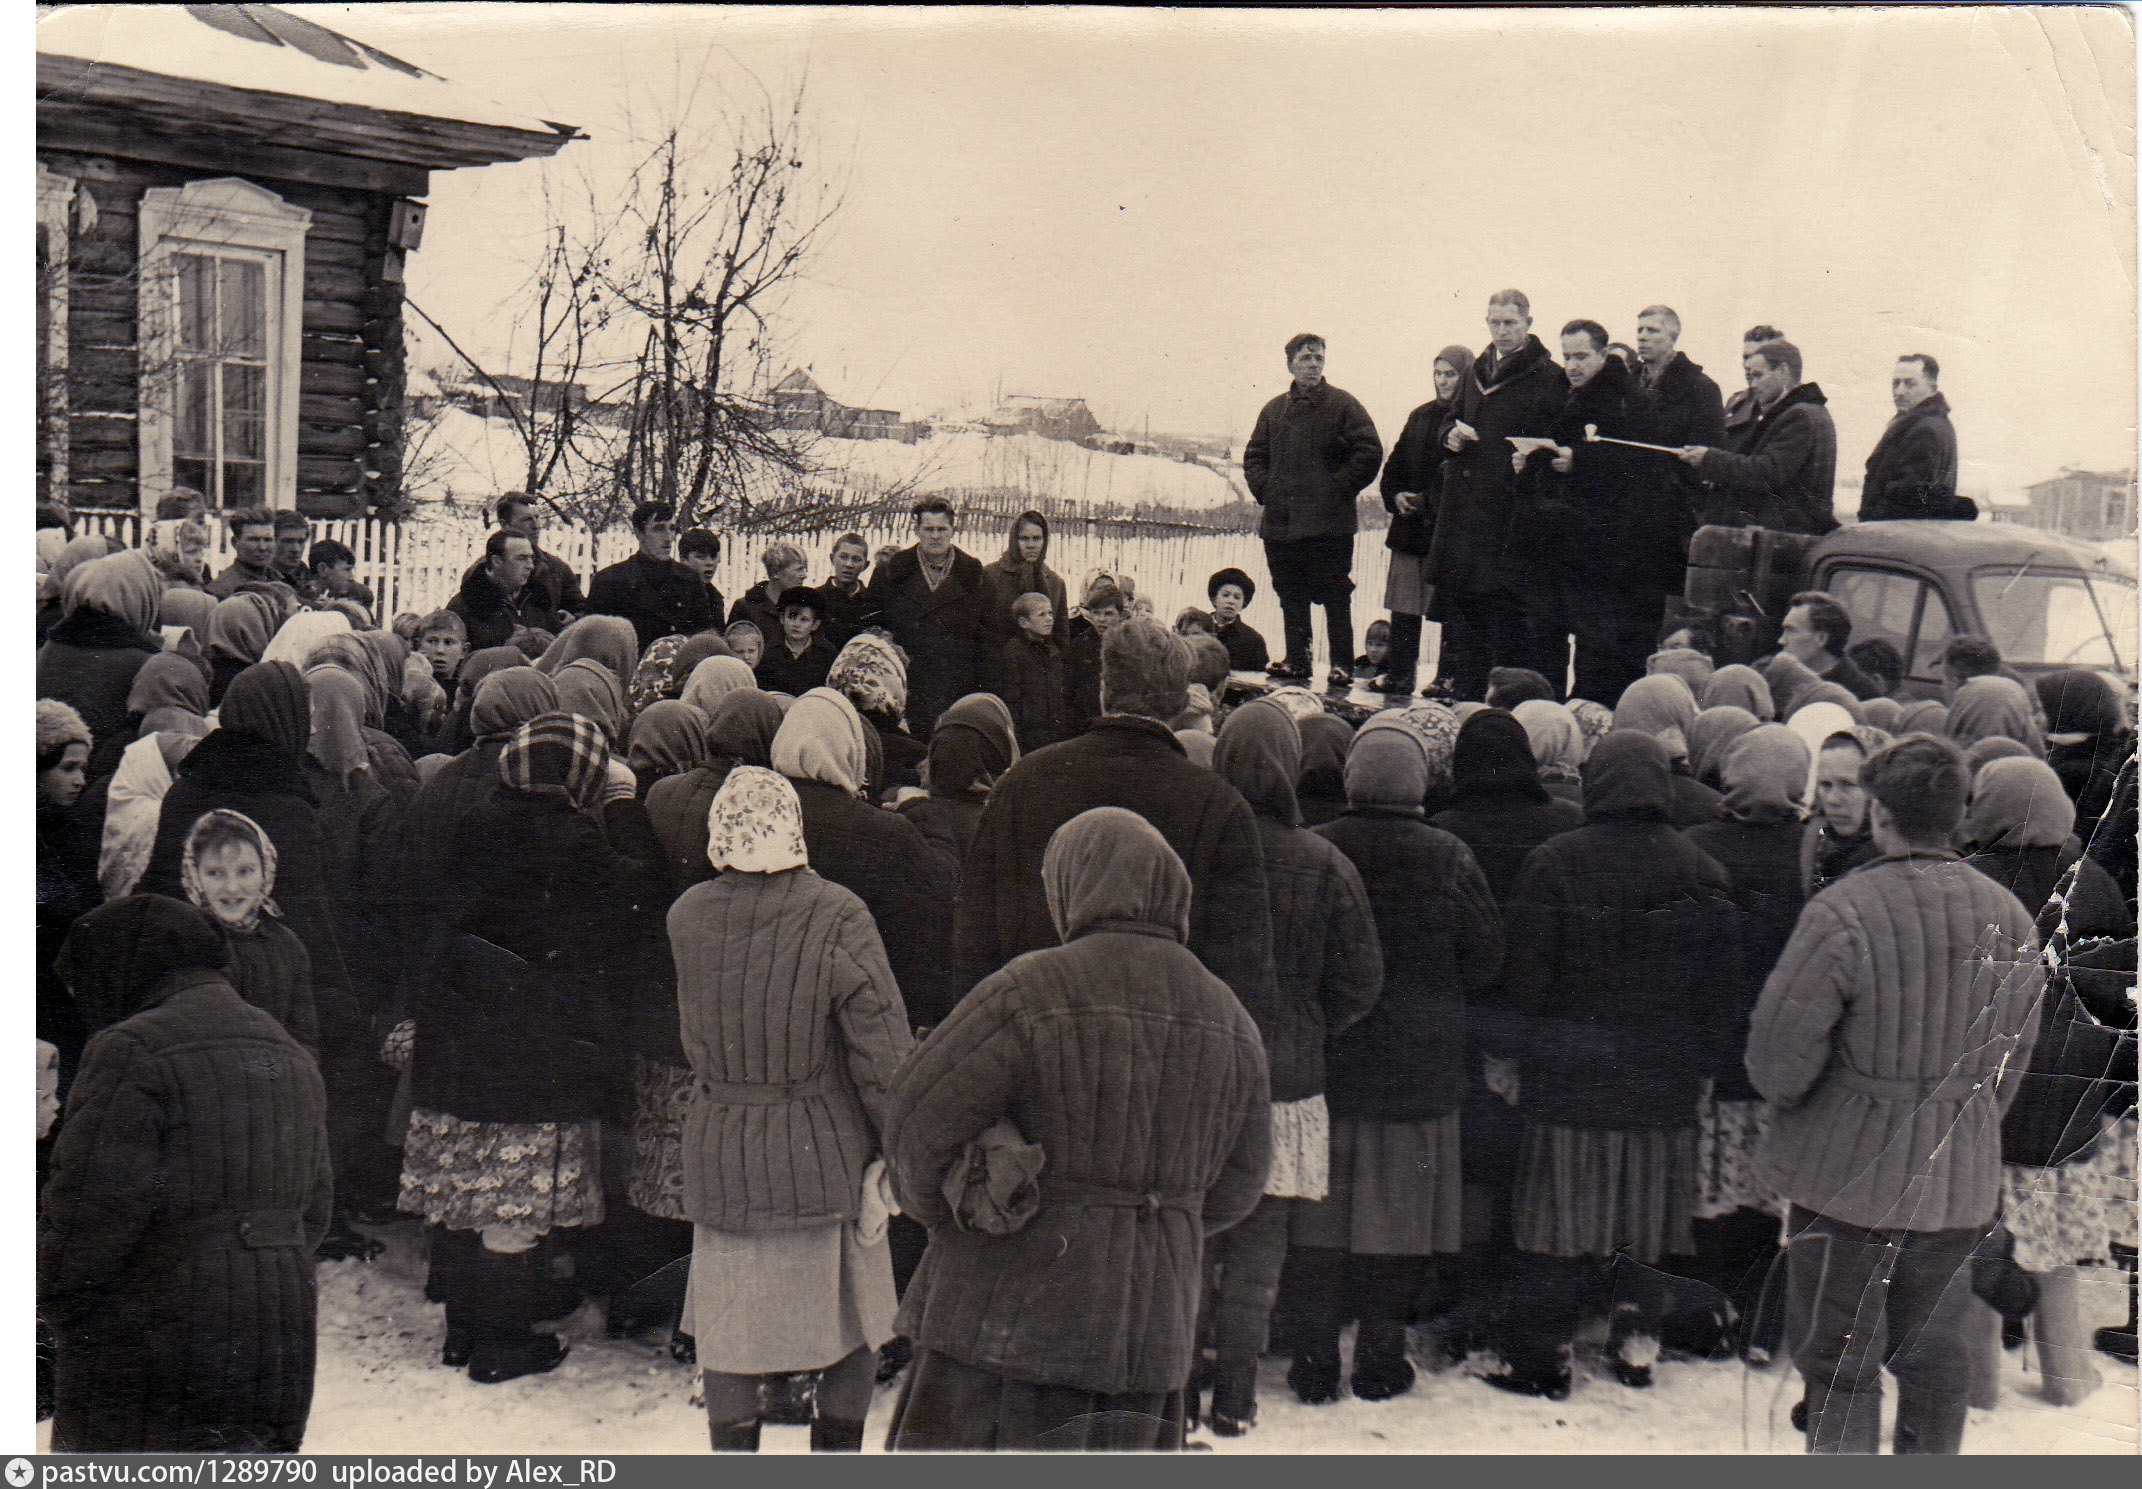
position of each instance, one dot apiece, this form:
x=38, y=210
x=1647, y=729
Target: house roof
x=2103, y=478
x=798, y=381
x=284, y=80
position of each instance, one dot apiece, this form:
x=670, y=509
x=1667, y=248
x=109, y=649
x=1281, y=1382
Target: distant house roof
x=1047, y=408
x=798, y=381
x=2106, y=478
x=281, y=79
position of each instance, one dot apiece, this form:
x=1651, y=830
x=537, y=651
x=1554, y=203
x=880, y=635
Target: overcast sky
x=1139, y=208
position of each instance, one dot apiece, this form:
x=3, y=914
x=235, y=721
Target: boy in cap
x=1230, y=591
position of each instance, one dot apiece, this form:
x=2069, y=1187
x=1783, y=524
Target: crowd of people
x=925, y=977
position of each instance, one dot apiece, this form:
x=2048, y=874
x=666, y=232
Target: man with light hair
x=1912, y=470
x=1673, y=404
x=786, y=569
x=1784, y=472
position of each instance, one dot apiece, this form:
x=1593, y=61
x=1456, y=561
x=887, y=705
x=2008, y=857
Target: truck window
x=1888, y=605
x=2054, y=616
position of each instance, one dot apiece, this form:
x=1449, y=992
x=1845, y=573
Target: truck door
x=1898, y=607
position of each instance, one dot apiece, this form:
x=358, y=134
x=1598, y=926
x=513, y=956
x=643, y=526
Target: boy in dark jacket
x=1030, y=675
x=797, y=659
x=1104, y=608
x=1230, y=591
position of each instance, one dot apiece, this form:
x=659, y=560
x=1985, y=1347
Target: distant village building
x=2091, y=505
x=225, y=196
x=799, y=403
x=1053, y=418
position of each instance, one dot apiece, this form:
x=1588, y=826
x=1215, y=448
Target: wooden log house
x=226, y=195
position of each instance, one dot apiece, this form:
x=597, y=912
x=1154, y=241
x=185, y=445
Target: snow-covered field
x=381, y=1389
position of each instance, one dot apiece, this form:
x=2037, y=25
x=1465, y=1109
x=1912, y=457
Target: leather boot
x=1314, y=1375
x=506, y=1290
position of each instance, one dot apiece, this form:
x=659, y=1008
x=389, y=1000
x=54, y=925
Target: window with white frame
x=222, y=304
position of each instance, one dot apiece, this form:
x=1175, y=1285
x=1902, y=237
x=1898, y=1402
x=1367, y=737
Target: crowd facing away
x=923, y=978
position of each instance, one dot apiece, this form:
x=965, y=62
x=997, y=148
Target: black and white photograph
x=752, y=730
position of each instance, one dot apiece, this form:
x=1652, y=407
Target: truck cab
x=2047, y=602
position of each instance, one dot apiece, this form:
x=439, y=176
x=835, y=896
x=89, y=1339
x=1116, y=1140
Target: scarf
x=305, y=630
x=191, y=608
x=742, y=728
x=1259, y=753
x=1301, y=704
x=168, y=680
x=821, y=739
x=1629, y=775
x=1108, y=867
x=1387, y=765
x=713, y=679
x=1493, y=759
x=509, y=698
x=652, y=681
x=1924, y=717
x=1438, y=728
x=557, y=754
x=2018, y=802
x=1737, y=686
x=348, y=651
x=222, y=821
x=587, y=688
x=974, y=743
x=1551, y=730
x=608, y=639
x=668, y=739
x=1994, y=705
x=1661, y=706
x=871, y=675
x=755, y=824
x=1692, y=667
x=269, y=702
x=125, y=586
x=1711, y=737
x=337, y=721
x=1765, y=771
x=1594, y=721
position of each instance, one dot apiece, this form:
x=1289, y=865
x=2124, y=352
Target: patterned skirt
x=1588, y=1191
x=1397, y=1189
x=787, y=1300
x=1727, y=1135
x=2073, y=1213
x=654, y=1176
x=1301, y=1149
x=537, y=1176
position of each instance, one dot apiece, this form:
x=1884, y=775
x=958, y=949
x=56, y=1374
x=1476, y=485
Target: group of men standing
x=1525, y=516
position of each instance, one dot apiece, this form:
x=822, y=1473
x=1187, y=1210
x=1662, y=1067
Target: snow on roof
x=261, y=49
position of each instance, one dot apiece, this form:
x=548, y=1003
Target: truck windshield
x=2057, y=616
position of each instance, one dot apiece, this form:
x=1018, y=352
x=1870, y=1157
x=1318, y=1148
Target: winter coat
x=1825, y=857
x=660, y=596
x=905, y=882
x=1030, y=680
x=364, y=861
x=1622, y=954
x=228, y=583
x=1246, y=651
x=947, y=823
x=1311, y=453
x=270, y=970
x=66, y=891
x=1587, y=520
x=1682, y=408
x=1442, y=944
x=754, y=606
x=1008, y=579
x=189, y=1187
x=783, y=671
x=1415, y=464
x=1762, y=865
x=1082, y=680
x=522, y=1019
x=490, y=615
x=1143, y=1081
x=941, y=630
x=89, y=664
x=1904, y=987
x=1326, y=953
x=1478, y=524
x=1911, y=471
x=1784, y=473
x=1501, y=829
x=677, y=810
x=794, y=1027
x=1693, y=802
x=1136, y=763
x=845, y=614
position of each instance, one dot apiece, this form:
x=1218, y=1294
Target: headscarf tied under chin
x=871, y=675
x=1739, y=686
x=2018, y=802
x=557, y=754
x=1551, y=729
x=588, y=688
x=1110, y=869
x=1712, y=736
x=974, y=743
x=1438, y=726
x=1259, y=753
x=337, y=721
x=822, y=738
x=1994, y=705
x=755, y=824
x=223, y=820
x=167, y=680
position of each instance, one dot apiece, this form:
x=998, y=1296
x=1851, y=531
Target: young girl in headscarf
x=789, y=1267
x=1410, y=486
x=973, y=744
x=869, y=674
x=228, y=869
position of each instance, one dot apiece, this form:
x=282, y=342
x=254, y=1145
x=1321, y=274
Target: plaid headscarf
x=557, y=754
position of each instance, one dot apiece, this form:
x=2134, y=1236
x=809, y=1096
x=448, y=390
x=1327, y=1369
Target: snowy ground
x=381, y=1389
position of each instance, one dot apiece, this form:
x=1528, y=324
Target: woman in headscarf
x=166, y=680
x=713, y=679
x=108, y=610
x=1757, y=843
x=1692, y=667
x=1710, y=737
x=1838, y=837
x=1994, y=705
x=1927, y=716
x=590, y=689
x=868, y=672
x=187, y=608
x=1662, y=706
x=52, y=585
x=1321, y=789
x=907, y=882
x=608, y=639
x=1623, y=955
x=1023, y=570
x=1883, y=713
x=2088, y=739
x=1787, y=678
x=1738, y=686
x=516, y=1050
x=403, y=691
x=794, y=1027
x=1330, y=971
x=305, y=630
x=974, y=743
x=1993, y=747
x=189, y=1186
x=1395, y=1081
x=1594, y=722
x=375, y=659
x=1500, y=809
x=1070, y=1323
x=239, y=630
x=228, y=868
x=459, y=734
x=668, y=739
x=134, y=796
x=667, y=664
x=1558, y=744
x=177, y=547
x=740, y=731
x=1411, y=487
x=2019, y=832
x=1437, y=725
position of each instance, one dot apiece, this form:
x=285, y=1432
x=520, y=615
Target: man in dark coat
x=492, y=594
x=1128, y=758
x=189, y=1187
x=1312, y=451
x=934, y=599
x=1783, y=473
x=1479, y=563
x=1912, y=471
x=1673, y=403
x=550, y=600
x=253, y=555
x=1742, y=409
x=660, y=596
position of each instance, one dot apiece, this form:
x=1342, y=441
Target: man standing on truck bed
x=1782, y=474
x=1912, y=472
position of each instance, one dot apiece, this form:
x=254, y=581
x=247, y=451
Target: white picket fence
x=417, y=565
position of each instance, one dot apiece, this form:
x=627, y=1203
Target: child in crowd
x=1031, y=674
x=700, y=551
x=1230, y=591
x=845, y=605
x=799, y=660
x=228, y=869
x=747, y=641
x=1105, y=607
x=334, y=573
x=409, y=625
x=443, y=641
x=1378, y=644
x=1194, y=622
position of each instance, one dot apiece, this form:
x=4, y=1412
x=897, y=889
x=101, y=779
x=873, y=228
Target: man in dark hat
x=1230, y=592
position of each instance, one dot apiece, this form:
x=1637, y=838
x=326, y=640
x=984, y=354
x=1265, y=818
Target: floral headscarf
x=166, y=546
x=652, y=680
x=1594, y=721
x=1438, y=728
x=557, y=754
x=224, y=820
x=713, y=679
x=756, y=824
x=871, y=675
x=823, y=739
x=1299, y=702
